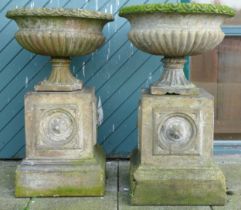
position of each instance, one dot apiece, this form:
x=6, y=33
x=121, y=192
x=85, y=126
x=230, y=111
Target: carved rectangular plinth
x=62, y=158
x=174, y=163
x=60, y=124
x=174, y=128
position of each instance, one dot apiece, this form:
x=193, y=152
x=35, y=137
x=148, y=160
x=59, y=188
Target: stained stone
x=41, y=32
x=124, y=201
x=175, y=35
x=174, y=163
x=62, y=156
x=108, y=202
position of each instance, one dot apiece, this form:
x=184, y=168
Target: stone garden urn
x=61, y=34
x=173, y=164
x=175, y=31
x=62, y=155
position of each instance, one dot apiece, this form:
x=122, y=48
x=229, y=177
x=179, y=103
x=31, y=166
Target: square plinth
x=175, y=164
x=62, y=158
x=60, y=125
x=176, y=128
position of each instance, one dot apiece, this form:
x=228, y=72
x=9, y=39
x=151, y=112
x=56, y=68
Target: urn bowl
x=176, y=30
x=59, y=32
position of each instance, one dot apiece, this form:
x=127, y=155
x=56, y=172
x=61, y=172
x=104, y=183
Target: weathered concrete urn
x=60, y=33
x=62, y=155
x=173, y=164
x=175, y=31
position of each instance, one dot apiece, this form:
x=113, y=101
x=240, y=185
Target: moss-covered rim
x=47, y=12
x=180, y=8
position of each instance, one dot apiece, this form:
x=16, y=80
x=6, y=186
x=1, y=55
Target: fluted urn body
x=60, y=33
x=175, y=31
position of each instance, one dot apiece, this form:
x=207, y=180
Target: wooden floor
x=117, y=189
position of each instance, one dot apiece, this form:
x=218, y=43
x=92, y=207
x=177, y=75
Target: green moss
x=181, y=8
x=61, y=191
x=58, y=12
x=90, y=170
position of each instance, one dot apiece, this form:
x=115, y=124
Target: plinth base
x=41, y=178
x=200, y=186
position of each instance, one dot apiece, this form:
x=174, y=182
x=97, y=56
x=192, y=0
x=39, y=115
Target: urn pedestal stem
x=61, y=78
x=173, y=80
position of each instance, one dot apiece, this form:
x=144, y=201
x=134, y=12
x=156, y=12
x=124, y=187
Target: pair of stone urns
x=173, y=164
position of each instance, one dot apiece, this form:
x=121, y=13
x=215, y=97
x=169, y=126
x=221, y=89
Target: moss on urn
x=59, y=12
x=181, y=8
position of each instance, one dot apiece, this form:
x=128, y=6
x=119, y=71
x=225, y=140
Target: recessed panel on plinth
x=176, y=133
x=58, y=126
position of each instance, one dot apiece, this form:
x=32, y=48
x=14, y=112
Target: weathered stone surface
x=61, y=156
x=174, y=164
x=173, y=79
x=175, y=30
x=193, y=147
x=173, y=35
x=85, y=177
x=40, y=31
x=152, y=185
x=108, y=202
x=124, y=198
x=60, y=125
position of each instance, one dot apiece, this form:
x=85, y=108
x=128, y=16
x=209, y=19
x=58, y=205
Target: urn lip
x=178, y=8
x=58, y=12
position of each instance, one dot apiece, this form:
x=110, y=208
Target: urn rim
x=58, y=12
x=177, y=8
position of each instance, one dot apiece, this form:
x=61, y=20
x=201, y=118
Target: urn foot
x=60, y=79
x=173, y=80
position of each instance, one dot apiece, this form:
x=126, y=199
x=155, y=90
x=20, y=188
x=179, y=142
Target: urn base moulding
x=61, y=78
x=173, y=79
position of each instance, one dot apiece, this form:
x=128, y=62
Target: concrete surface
x=117, y=190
